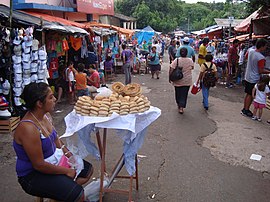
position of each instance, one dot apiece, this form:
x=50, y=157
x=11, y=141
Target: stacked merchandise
x=5, y=53
x=29, y=62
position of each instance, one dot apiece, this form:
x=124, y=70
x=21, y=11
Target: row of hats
x=26, y=46
x=27, y=57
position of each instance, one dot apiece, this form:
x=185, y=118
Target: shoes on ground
x=254, y=118
x=206, y=108
x=259, y=119
x=247, y=113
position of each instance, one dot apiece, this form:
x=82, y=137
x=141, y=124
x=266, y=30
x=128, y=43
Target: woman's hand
x=71, y=173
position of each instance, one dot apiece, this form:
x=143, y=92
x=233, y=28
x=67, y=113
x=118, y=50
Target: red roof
x=57, y=19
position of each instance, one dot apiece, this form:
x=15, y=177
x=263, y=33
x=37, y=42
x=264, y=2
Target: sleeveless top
x=23, y=163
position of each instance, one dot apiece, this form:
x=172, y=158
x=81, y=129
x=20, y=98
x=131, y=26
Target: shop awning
x=127, y=32
x=262, y=25
x=70, y=26
x=27, y=19
x=245, y=24
x=245, y=37
x=103, y=31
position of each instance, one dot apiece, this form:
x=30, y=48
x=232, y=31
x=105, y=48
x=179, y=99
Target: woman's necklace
x=44, y=129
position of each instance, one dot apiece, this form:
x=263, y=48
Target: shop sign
x=103, y=7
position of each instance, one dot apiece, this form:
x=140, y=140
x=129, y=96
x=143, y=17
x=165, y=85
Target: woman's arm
x=199, y=78
x=29, y=137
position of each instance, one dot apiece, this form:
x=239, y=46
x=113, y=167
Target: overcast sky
x=209, y=1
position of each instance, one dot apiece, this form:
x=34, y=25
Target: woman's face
x=50, y=100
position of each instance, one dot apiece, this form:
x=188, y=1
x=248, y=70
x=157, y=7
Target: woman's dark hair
x=208, y=57
x=261, y=43
x=81, y=67
x=264, y=81
x=183, y=52
x=124, y=46
x=108, y=58
x=70, y=63
x=34, y=92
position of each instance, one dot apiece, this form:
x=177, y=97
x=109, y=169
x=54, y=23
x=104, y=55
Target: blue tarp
x=145, y=34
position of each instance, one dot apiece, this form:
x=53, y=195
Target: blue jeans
x=83, y=92
x=127, y=70
x=205, y=94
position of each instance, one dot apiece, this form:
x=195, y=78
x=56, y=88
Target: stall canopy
x=145, y=34
x=210, y=32
x=127, y=32
x=25, y=19
x=245, y=24
x=262, y=26
x=245, y=37
x=71, y=26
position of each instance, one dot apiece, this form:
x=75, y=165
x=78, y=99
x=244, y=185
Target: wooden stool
x=9, y=125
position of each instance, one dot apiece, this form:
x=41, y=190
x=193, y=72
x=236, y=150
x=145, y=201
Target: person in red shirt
x=232, y=62
x=93, y=81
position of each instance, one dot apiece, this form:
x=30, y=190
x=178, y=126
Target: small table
x=132, y=128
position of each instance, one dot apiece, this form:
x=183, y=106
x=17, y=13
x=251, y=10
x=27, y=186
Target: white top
x=261, y=95
x=70, y=75
x=241, y=57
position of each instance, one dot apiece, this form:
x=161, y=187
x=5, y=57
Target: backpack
x=209, y=79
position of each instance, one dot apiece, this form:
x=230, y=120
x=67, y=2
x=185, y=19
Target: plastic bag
x=91, y=191
x=103, y=91
x=76, y=163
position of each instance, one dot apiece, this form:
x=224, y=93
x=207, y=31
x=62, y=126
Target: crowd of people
x=37, y=145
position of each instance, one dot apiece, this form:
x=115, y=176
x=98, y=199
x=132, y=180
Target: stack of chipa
x=118, y=102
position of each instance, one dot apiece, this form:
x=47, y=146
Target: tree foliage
x=167, y=15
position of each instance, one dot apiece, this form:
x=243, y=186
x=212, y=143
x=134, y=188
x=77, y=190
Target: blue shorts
x=57, y=187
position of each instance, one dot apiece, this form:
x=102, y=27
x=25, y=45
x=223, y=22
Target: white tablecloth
x=131, y=127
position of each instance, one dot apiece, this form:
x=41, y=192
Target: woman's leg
x=60, y=92
x=183, y=96
x=177, y=95
x=157, y=73
x=205, y=93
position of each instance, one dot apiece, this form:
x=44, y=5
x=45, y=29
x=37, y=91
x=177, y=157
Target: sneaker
x=259, y=119
x=206, y=108
x=254, y=118
x=243, y=112
x=249, y=113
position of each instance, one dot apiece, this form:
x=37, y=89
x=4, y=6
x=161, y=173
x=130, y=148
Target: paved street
x=197, y=156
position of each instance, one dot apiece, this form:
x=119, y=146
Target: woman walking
x=182, y=86
x=154, y=62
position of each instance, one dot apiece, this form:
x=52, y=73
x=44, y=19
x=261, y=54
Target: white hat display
x=26, y=49
x=26, y=65
x=28, y=40
x=17, y=68
x=6, y=87
x=35, y=44
x=17, y=91
x=17, y=84
x=34, y=55
x=17, y=77
x=5, y=113
x=34, y=78
x=43, y=64
x=16, y=59
x=26, y=57
x=34, y=67
x=17, y=40
x=26, y=73
x=17, y=101
x=41, y=74
x=42, y=54
x=7, y=38
x=20, y=33
x=17, y=50
x=26, y=81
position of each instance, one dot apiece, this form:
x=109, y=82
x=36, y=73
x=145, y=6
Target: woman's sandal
x=181, y=111
x=268, y=121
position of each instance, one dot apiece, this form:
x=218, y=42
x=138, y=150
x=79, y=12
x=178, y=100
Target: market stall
x=130, y=116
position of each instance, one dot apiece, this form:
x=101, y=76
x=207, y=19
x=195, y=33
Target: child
x=70, y=71
x=260, y=93
x=81, y=80
x=206, y=83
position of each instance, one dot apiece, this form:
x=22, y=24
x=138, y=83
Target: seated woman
x=108, y=64
x=35, y=142
x=93, y=80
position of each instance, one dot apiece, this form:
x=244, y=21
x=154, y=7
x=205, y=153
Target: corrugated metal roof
x=124, y=17
x=224, y=22
x=30, y=20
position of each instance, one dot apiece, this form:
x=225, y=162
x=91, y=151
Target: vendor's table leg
x=136, y=174
x=102, y=171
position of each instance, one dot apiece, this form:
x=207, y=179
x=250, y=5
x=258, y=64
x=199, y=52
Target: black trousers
x=181, y=94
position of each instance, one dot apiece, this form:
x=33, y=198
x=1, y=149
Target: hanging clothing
x=84, y=48
x=76, y=43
